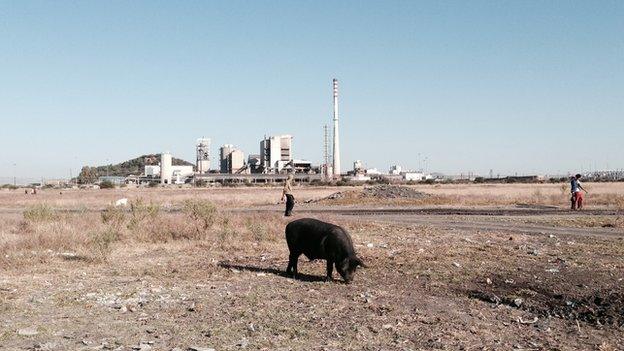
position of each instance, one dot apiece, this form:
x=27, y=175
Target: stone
x=27, y=332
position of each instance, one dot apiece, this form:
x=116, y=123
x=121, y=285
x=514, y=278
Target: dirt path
x=489, y=225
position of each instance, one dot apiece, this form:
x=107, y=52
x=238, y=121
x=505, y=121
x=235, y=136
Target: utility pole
x=14, y=176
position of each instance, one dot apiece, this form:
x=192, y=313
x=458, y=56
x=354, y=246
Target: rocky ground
x=374, y=192
x=427, y=287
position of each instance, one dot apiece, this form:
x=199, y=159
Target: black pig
x=320, y=240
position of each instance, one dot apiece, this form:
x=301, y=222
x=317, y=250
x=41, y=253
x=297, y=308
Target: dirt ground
x=437, y=280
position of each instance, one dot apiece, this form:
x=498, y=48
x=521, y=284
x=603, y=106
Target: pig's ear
x=358, y=262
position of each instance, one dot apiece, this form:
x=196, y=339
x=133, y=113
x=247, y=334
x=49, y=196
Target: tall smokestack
x=336, y=166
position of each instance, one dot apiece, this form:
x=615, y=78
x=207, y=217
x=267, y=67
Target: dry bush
x=140, y=211
x=165, y=229
x=242, y=232
x=39, y=213
x=101, y=241
x=203, y=212
x=114, y=216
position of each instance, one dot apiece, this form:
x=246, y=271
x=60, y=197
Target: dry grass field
x=184, y=269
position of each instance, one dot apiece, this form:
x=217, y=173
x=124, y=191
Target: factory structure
x=273, y=162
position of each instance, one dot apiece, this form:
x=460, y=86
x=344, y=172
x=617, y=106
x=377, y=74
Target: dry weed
x=39, y=213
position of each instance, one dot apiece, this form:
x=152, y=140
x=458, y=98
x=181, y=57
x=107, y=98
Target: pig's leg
x=292, y=265
x=330, y=270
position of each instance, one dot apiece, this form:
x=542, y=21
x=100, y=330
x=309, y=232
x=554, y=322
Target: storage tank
x=166, y=172
x=223, y=159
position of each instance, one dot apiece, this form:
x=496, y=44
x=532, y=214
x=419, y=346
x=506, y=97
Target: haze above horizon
x=512, y=86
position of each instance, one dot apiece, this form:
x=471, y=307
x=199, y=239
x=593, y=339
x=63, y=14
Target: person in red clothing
x=577, y=192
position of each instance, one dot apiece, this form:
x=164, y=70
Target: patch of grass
x=258, y=230
x=140, y=211
x=202, y=211
x=40, y=213
x=114, y=215
x=101, y=243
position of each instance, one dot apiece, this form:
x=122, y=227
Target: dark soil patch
x=599, y=307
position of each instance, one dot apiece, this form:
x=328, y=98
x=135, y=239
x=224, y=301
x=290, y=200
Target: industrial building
x=231, y=160
x=202, y=149
x=275, y=153
x=168, y=173
x=275, y=159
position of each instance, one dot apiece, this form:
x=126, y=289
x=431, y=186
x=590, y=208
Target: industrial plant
x=274, y=160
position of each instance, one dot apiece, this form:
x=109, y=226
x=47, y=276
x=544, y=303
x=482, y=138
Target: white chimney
x=336, y=165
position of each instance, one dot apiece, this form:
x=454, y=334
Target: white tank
x=166, y=171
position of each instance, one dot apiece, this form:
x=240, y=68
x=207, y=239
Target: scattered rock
x=528, y=321
x=191, y=308
x=488, y=281
x=199, y=348
x=27, y=332
x=369, y=245
x=456, y=264
x=484, y=296
x=243, y=343
x=517, y=302
x=142, y=347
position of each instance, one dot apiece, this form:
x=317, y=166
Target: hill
x=134, y=166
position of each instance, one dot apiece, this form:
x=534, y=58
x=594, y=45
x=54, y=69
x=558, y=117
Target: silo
x=223, y=159
x=166, y=171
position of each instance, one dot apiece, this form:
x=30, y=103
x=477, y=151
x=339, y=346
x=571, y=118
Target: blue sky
x=513, y=86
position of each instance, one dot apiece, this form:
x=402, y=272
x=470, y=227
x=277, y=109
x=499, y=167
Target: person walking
x=287, y=194
x=577, y=192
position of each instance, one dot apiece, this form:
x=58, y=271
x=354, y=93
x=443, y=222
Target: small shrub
x=563, y=188
x=101, y=242
x=200, y=183
x=139, y=211
x=107, y=184
x=153, y=184
x=227, y=231
x=114, y=215
x=202, y=211
x=538, y=196
x=40, y=213
x=257, y=229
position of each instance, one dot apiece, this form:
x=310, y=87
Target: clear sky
x=513, y=86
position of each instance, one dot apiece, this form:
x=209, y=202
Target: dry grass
x=167, y=197
x=43, y=233
x=601, y=195
x=610, y=195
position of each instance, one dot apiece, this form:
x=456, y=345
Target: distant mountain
x=134, y=166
